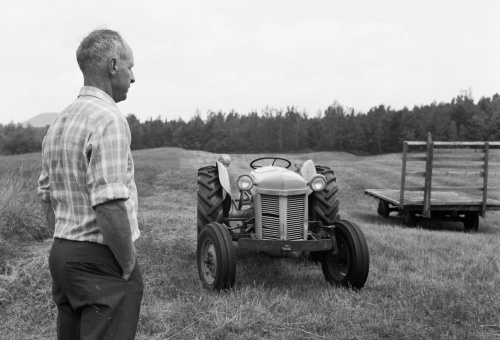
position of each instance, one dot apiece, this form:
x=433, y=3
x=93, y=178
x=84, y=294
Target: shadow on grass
x=258, y=269
x=367, y=217
x=396, y=220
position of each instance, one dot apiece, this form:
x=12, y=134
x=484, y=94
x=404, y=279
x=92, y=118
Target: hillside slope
x=42, y=119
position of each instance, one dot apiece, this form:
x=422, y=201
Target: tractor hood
x=278, y=179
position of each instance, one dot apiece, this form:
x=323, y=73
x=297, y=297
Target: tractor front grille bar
x=283, y=217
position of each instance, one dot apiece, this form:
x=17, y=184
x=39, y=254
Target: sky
x=200, y=56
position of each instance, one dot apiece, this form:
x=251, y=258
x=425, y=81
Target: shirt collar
x=95, y=92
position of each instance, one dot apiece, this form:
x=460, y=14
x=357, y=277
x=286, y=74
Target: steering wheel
x=274, y=159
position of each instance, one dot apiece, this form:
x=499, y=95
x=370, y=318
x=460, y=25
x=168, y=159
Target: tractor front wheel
x=216, y=257
x=349, y=267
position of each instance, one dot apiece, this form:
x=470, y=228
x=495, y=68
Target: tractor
x=279, y=212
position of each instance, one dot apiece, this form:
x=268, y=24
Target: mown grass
x=19, y=213
x=429, y=282
x=21, y=221
x=25, y=299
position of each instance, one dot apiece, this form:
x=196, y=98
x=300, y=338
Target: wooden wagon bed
x=468, y=166
x=440, y=200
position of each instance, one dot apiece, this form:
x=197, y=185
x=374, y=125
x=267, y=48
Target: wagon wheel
x=383, y=208
x=471, y=222
x=409, y=218
x=349, y=267
x=216, y=257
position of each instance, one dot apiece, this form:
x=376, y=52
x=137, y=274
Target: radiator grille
x=295, y=217
x=270, y=217
x=295, y=211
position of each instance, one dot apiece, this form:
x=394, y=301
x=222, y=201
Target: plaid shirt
x=86, y=161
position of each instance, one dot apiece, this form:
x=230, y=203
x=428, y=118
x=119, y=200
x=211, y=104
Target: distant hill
x=42, y=119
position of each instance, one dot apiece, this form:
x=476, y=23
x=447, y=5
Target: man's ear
x=112, y=66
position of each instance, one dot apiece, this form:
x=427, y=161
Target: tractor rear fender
x=224, y=179
x=307, y=172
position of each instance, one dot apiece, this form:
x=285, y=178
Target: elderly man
x=89, y=195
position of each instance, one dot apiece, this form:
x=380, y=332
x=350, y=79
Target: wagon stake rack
x=445, y=162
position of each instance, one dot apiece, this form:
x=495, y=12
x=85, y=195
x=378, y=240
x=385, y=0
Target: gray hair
x=96, y=49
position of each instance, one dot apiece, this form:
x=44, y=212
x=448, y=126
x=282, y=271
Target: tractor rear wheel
x=216, y=257
x=349, y=267
x=210, y=202
x=325, y=204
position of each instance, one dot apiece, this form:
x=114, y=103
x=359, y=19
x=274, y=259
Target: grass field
x=429, y=282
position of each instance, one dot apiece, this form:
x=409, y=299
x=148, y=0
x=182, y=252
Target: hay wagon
x=460, y=182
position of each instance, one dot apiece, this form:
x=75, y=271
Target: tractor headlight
x=317, y=183
x=244, y=182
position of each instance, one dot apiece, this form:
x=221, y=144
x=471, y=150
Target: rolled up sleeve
x=108, y=192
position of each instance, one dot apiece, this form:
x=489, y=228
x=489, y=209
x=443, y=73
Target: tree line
x=380, y=130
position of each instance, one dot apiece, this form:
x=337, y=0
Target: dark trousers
x=93, y=300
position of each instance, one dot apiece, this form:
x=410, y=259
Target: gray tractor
x=279, y=212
